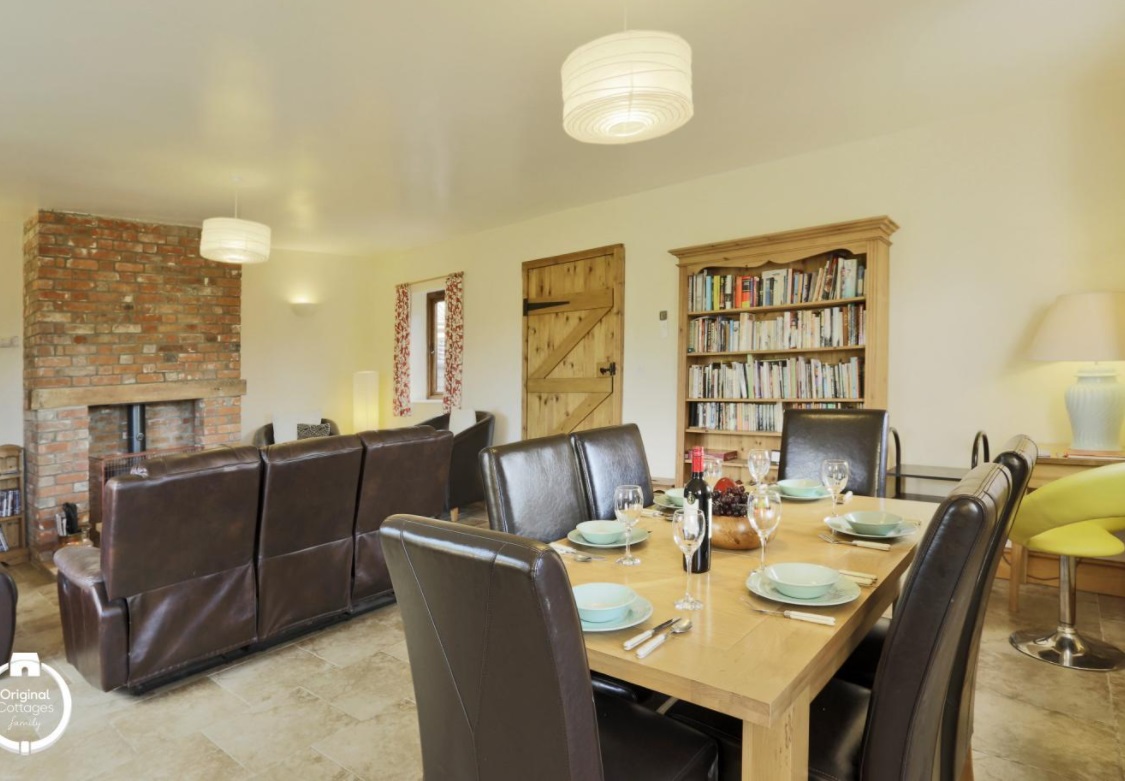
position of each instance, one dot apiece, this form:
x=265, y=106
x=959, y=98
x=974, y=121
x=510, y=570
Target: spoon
x=681, y=626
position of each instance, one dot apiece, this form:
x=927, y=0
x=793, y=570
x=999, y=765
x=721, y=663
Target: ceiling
x=362, y=127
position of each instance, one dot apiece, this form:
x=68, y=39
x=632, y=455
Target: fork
x=857, y=543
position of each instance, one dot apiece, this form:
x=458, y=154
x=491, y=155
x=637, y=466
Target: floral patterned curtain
x=454, y=339
x=401, y=401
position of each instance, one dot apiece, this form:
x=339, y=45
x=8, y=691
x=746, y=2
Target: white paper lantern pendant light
x=231, y=240
x=627, y=87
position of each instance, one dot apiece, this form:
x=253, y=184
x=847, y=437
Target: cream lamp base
x=1096, y=405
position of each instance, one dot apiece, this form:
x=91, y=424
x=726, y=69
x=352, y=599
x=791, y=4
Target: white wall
x=298, y=362
x=999, y=212
x=11, y=324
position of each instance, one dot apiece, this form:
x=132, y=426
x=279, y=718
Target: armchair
x=264, y=435
x=465, y=485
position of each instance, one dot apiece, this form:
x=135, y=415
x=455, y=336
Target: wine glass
x=687, y=531
x=763, y=510
x=758, y=461
x=628, y=501
x=712, y=471
x=834, y=475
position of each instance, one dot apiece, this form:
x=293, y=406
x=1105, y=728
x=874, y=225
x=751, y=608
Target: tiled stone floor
x=339, y=704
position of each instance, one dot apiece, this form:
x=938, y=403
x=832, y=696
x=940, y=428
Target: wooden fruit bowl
x=733, y=532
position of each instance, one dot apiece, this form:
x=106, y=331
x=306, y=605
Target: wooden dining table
x=762, y=669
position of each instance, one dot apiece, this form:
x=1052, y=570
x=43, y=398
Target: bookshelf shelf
x=12, y=526
x=781, y=351
x=844, y=266
x=757, y=310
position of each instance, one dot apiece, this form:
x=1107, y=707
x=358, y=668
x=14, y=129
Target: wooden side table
x=1102, y=576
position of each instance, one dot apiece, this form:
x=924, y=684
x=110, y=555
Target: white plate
x=575, y=536
x=791, y=498
x=846, y=590
x=905, y=529
x=639, y=612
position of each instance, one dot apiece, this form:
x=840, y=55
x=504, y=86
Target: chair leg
x=1016, y=577
x=1065, y=646
x=454, y=513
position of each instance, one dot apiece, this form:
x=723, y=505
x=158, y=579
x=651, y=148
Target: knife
x=633, y=642
x=796, y=615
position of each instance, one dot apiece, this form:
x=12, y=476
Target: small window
x=435, y=343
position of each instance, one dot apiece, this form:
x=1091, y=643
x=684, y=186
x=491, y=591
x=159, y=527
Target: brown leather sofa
x=307, y=523
x=173, y=583
x=465, y=485
x=217, y=553
x=392, y=483
x=9, y=595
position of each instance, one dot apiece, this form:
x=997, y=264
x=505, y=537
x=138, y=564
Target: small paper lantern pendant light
x=231, y=240
x=626, y=87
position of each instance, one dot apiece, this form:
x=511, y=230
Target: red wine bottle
x=697, y=497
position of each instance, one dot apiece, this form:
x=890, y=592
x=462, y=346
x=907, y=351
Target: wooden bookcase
x=12, y=524
x=705, y=419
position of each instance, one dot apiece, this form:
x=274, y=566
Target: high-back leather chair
x=9, y=596
x=306, y=543
x=173, y=584
x=1018, y=457
x=405, y=470
x=809, y=436
x=609, y=457
x=532, y=488
x=904, y=710
x=500, y=671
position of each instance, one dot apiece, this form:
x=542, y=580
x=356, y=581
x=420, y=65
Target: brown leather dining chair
x=1019, y=455
x=500, y=672
x=532, y=488
x=609, y=457
x=859, y=436
x=897, y=728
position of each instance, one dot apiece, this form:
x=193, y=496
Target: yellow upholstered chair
x=1073, y=518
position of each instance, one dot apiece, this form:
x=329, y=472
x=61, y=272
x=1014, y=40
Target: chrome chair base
x=1066, y=648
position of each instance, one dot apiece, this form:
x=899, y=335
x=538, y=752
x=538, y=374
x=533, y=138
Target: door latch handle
x=610, y=370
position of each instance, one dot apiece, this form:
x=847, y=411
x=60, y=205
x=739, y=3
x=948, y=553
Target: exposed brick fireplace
x=115, y=313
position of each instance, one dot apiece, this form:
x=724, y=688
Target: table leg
x=779, y=751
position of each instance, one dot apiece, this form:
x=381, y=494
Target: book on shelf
x=837, y=326
x=838, y=277
x=3, y=541
x=10, y=502
x=719, y=453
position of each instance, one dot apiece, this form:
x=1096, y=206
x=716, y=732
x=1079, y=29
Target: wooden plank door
x=573, y=341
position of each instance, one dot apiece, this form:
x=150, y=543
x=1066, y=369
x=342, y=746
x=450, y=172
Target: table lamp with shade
x=1088, y=327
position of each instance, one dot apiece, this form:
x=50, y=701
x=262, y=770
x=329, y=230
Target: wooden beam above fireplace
x=135, y=393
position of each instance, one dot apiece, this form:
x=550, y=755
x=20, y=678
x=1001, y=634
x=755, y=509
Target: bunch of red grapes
x=729, y=498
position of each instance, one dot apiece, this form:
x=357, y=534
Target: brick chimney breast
x=120, y=312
